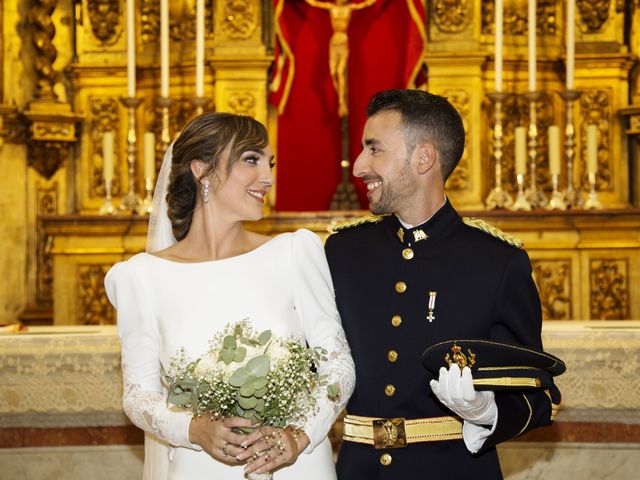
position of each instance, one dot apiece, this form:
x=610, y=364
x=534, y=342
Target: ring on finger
x=224, y=449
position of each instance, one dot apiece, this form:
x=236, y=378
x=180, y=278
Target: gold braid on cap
x=493, y=231
x=334, y=228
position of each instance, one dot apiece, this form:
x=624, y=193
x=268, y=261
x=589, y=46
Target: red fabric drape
x=385, y=46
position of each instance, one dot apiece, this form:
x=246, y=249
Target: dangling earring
x=205, y=192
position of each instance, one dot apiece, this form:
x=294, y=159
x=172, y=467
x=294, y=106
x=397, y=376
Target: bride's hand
x=277, y=447
x=217, y=438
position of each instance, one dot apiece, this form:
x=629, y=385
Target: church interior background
x=91, y=97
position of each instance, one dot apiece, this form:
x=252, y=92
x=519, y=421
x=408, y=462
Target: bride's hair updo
x=210, y=138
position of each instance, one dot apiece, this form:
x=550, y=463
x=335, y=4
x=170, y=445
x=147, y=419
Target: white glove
x=456, y=392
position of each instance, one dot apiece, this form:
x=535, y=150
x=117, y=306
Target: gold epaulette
x=333, y=228
x=493, y=231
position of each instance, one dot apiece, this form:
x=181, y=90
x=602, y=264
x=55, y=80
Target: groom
x=414, y=274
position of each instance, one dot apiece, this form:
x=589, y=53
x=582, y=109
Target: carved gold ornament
x=459, y=179
x=553, y=279
x=105, y=17
x=595, y=108
x=452, y=16
x=242, y=103
x=593, y=14
x=459, y=358
x=240, y=19
x=93, y=306
x=609, y=288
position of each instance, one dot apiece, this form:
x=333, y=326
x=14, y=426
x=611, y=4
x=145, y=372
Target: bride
x=202, y=270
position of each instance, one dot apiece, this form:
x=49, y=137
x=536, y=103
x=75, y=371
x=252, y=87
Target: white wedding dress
x=283, y=285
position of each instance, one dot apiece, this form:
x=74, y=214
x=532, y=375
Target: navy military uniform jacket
x=484, y=289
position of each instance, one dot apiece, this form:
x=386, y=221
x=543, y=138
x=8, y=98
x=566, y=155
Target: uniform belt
x=398, y=432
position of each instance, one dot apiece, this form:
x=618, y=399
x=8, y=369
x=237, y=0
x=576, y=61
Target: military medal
x=432, y=306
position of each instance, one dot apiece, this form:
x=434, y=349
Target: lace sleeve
x=316, y=307
x=143, y=398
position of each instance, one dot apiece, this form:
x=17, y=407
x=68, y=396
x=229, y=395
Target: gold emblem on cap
x=407, y=254
x=389, y=390
x=401, y=287
x=419, y=235
x=460, y=358
x=396, y=320
x=385, y=459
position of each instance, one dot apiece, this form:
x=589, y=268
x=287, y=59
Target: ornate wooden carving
x=242, y=103
x=240, y=19
x=459, y=179
x=93, y=306
x=43, y=32
x=553, y=278
x=515, y=17
x=105, y=17
x=452, y=16
x=182, y=20
x=181, y=111
x=46, y=157
x=593, y=14
x=609, y=288
x=595, y=107
x=47, y=204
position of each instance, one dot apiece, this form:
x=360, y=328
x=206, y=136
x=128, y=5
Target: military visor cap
x=495, y=365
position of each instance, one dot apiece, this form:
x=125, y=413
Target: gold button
x=407, y=254
x=396, y=320
x=389, y=390
x=401, y=287
x=385, y=459
x=392, y=355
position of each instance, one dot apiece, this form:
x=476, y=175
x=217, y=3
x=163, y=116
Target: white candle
x=571, y=41
x=131, y=49
x=164, y=48
x=554, y=150
x=200, y=48
x=498, y=44
x=532, y=45
x=149, y=155
x=521, y=150
x=107, y=156
x=592, y=148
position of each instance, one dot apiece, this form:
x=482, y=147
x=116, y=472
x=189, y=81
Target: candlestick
x=532, y=24
x=200, y=103
x=499, y=6
x=534, y=195
x=592, y=202
x=498, y=198
x=131, y=200
x=164, y=48
x=572, y=195
x=521, y=202
x=571, y=42
x=554, y=149
x=165, y=135
x=199, y=48
x=556, y=201
x=131, y=49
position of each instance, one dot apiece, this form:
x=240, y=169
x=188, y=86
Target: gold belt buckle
x=389, y=433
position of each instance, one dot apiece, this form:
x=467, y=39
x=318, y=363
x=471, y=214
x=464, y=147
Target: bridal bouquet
x=258, y=376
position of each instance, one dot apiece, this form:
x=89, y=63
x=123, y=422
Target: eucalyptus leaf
x=229, y=342
x=245, y=430
x=187, y=382
x=260, y=393
x=247, y=390
x=180, y=399
x=228, y=355
x=259, y=405
x=260, y=382
x=249, y=414
x=247, y=403
x=249, y=341
x=333, y=391
x=241, y=352
x=239, y=411
x=264, y=337
x=258, y=366
x=239, y=377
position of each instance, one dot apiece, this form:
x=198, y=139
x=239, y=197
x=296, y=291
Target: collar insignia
x=400, y=234
x=419, y=235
